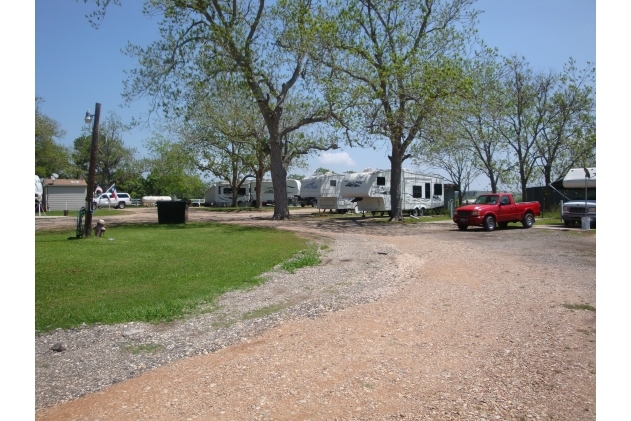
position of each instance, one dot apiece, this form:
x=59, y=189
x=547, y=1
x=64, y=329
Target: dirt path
x=476, y=329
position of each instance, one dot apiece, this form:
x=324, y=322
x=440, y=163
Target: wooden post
x=93, y=149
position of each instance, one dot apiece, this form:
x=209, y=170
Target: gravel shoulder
x=399, y=321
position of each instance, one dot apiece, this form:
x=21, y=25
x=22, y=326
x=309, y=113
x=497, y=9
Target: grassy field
x=151, y=272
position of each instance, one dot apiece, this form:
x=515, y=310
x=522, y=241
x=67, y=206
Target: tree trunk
x=279, y=178
x=257, y=188
x=522, y=177
x=396, y=163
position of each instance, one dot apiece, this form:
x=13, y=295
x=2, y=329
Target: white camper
x=267, y=191
x=220, y=194
x=576, y=178
x=326, y=191
x=152, y=200
x=371, y=191
x=39, y=189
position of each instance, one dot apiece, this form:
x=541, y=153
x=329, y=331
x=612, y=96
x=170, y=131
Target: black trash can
x=172, y=212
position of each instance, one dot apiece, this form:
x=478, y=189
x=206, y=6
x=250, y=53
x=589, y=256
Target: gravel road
x=400, y=321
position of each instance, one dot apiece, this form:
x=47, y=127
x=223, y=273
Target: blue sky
x=77, y=66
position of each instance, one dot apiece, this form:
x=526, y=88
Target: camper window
x=381, y=181
x=438, y=189
x=427, y=191
x=417, y=191
x=333, y=182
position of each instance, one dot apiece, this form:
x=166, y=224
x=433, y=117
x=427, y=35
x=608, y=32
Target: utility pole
x=93, y=149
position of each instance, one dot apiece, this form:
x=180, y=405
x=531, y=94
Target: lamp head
x=88, y=117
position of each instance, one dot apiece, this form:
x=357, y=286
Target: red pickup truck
x=498, y=209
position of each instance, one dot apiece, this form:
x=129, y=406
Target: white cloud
x=336, y=158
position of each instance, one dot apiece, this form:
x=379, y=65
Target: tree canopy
x=50, y=156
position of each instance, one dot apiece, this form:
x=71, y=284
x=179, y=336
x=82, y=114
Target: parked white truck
x=583, y=181
x=371, y=191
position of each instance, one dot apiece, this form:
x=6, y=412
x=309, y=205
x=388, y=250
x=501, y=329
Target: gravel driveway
x=420, y=322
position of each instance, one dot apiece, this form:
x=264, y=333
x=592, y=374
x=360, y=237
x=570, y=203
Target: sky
x=77, y=65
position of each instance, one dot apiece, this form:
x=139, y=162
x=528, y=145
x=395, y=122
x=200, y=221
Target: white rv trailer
x=267, y=191
x=220, y=194
x=325, y=189
x=371, y=191
x=577, y=179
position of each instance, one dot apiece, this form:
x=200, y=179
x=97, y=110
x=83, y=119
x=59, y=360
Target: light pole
x=587, y=176
x=95, y=140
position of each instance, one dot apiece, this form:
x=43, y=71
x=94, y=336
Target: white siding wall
x=58, y=197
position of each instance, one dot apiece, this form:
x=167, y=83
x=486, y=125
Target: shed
x=62, y=194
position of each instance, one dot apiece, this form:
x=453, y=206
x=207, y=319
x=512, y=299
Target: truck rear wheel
x=528, y=220
x=121, y=205
x=489, y=223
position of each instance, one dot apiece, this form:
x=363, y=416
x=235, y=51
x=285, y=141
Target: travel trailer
x=220, y=194
x=325, y=189
x=371, y=191
x=267, y=191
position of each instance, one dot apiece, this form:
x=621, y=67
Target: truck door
x=506, y=212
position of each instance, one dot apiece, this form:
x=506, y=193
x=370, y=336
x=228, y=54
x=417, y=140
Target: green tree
x=172, y=170
x=525, y=99
x=227, y=134
x=473, y=118
x=321, y=171
x=568, y=138
x=50, y=156
x=263, y=43
x=114, y=163
x=401, y=63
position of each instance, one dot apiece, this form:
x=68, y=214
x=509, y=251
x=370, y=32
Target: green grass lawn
x=149, y=272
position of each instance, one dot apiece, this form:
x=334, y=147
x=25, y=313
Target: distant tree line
x=167, y=172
